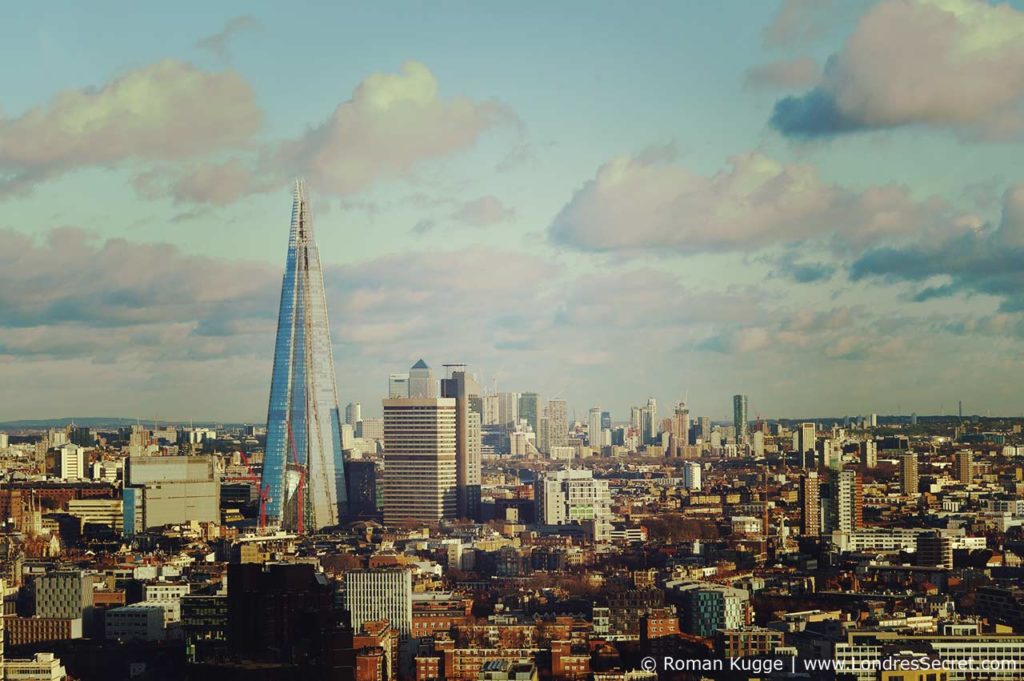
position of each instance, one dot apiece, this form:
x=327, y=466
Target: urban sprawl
x=477, y=535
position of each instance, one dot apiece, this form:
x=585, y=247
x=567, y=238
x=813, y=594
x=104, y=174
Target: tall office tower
x=353, y=413
x=380, y=594
x=544, y=432
x=490, y=409
x=529, y=409
x=651, y=422
x=846, y=502
x=873, y=420
x=739, y=417
x=965, y=466
x=594, y=427
x=681, y=424
x=636, y=419
x=464, y=390
x=398, y=386
x=606, y=420
x=419, y=460
x=805, y=441
x=558, y=423
x=303, y=485
x=908, y=474
x=810, y=505
x=421, y=381
x=4, y=441
x=508, y=409
x=691, y=475
x=362, y=488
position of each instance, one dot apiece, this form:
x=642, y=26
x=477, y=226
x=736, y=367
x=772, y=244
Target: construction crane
x=301, y=510
x=250, y=476
x=264, y=500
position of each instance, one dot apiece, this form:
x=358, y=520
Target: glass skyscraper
x=303, y=487
x=739, y=417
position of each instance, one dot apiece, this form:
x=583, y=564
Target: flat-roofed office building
x=419, y=460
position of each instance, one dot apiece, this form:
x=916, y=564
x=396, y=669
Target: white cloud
x=169, y=110
x=638, y=204
x=392, y=122
x=955, y=63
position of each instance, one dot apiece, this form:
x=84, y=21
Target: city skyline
x=728, y=208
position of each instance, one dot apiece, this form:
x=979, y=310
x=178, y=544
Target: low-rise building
x=41, y=667
x=136, y=622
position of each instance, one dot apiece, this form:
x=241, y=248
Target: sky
x=817, y=203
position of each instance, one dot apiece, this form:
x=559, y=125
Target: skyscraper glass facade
x=303, y=485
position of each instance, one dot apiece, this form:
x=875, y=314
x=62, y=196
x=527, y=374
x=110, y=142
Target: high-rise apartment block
x=692, y=475
x=557, y=424
x=845, y=511
x=573, y=496
x=810, y=504
x=869, y=453
x=965, y=466
x=908, y=474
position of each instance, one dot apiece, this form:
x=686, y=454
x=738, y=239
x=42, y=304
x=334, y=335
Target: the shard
x=303, y=484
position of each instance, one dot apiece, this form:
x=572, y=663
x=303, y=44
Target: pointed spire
x=302, y=227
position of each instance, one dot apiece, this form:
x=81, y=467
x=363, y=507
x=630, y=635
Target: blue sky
x=813, y=202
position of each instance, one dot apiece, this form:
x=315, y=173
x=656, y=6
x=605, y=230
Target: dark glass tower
x=303, y=487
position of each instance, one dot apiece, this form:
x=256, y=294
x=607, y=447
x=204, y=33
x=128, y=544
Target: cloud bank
x=167, y=111
x=647, y=203
x=945, y=63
